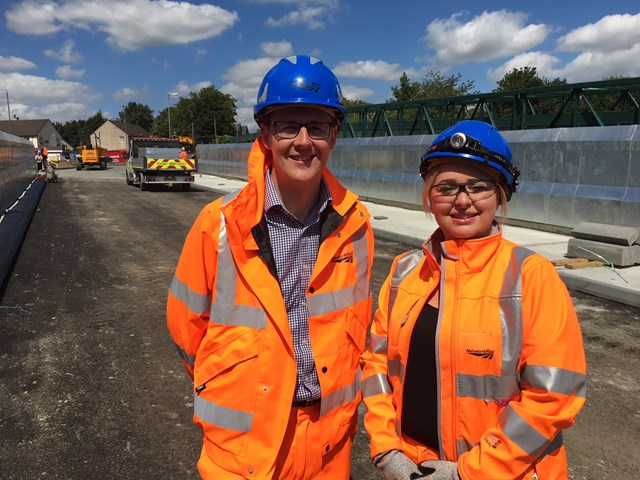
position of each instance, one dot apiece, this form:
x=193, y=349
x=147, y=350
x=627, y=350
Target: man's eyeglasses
x=290, y=130
x=475, y=190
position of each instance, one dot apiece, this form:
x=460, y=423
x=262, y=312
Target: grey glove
x=443, y=470
x=395, y=465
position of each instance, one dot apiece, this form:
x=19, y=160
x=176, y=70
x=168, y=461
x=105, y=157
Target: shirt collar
x=272, y=199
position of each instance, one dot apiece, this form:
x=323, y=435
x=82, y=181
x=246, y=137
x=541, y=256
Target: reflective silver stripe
x=405, y=265
x=229, y=196
x=342, y=396
x=378, y=343
x=463, y=445
x=511, y=311
x=236, y=315
x=333, y=301
x=189, y=359
x=521, y=433
x=375, y=385
x=396, y=369
x=486, y=387
x=554, y=379
x=198, y=303
x=220, y=416
x=224, y=310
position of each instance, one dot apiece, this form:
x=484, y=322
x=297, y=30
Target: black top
x=420, y=396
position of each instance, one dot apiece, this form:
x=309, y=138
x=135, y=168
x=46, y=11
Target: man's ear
x=265, y=135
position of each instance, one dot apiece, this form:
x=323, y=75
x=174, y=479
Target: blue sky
x=67, y=59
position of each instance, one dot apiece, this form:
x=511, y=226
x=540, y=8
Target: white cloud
x=67, y=72
x=279, y=49
x=488, y=36
x=545, y=64
x=183, y=89
x=592, y=66
x=127, y=94
x=313, y=18
x=165, y=22
x=12, y=64
x=243, y=81
x=609, y=34
x=41, y=97
x=356, y=93
x=66, y=53
x=370, y=69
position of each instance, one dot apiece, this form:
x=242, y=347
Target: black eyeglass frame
x=300, y=125
x=462, y=187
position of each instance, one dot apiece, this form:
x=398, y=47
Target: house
x=41, y=133
x=114, y=135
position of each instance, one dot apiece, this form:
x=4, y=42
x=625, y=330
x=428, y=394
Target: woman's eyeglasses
x=290, y=130
x=475, y=189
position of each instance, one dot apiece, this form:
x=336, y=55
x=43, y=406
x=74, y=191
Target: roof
x=23, y=128
x=131, y=129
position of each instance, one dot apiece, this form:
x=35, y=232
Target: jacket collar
x=474, y=253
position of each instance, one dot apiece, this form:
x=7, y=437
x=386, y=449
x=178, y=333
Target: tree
x=208, y=113
x=77, y=132
x=525, y=77
x=433, y=85
x=137, y=114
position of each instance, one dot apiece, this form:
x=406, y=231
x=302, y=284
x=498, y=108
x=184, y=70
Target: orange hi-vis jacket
x=510, y=361
x=227, y=316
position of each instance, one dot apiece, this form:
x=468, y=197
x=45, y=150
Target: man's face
x=299, y=161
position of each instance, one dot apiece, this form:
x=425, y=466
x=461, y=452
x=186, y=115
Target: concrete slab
x=602, y=232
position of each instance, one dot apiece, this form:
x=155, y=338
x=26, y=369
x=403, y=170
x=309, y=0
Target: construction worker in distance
x=475, y=364
x=183, y=154
x=270, y=304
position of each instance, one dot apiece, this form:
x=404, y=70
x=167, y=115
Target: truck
x=91, y=157
x=156, y=161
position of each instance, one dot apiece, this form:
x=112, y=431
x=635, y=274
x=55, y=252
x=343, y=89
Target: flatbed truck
x=156, y=161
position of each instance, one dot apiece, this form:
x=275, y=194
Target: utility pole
x=8, y=108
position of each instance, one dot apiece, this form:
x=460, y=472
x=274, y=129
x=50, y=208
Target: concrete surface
x=413, y=226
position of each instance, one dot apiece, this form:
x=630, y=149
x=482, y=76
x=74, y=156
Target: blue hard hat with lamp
x=477, y=141
x=299, y=79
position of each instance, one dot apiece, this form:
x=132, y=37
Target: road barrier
x=568, y=175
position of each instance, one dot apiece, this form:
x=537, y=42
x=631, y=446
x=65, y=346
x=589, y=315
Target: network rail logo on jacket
x=484, y=353
x=346, y=257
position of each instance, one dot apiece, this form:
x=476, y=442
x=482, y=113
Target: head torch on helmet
x=477, y=141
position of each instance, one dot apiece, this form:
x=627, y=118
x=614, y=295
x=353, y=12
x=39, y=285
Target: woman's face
x=460, y=216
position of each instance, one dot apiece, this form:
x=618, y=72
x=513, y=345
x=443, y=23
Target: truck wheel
x=79, y=166
x=143, y=186
x=103, y=165
x=128, y=179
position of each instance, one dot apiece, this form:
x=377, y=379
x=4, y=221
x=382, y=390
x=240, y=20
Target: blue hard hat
x=299, y=79
x=475, y=140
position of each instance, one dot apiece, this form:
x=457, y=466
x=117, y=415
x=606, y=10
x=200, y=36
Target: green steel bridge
x=590, y=104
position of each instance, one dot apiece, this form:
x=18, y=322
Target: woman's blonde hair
x=430, y=178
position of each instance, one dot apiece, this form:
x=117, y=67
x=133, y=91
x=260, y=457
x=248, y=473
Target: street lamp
x=8, y=107
x=169, y=95
x=126, y=139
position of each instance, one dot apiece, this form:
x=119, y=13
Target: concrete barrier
x=568, y=175
x=20, y=192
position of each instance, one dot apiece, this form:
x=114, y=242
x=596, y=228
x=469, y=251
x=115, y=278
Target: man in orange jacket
x=270, y=304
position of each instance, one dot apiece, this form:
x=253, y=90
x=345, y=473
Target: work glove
x=442, y=470
x=395, y=465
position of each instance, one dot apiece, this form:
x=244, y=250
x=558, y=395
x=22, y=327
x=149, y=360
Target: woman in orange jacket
x=475, y=363
x=270, y=304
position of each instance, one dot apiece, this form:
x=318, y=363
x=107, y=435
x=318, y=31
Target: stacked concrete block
x=615, y=244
